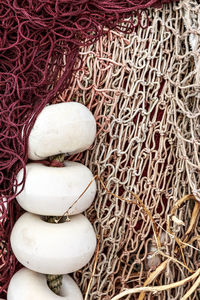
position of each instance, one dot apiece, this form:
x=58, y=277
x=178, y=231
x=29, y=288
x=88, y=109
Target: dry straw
x=163, y=265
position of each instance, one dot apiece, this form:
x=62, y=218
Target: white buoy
x=61, y=128
x=53, y=248
x=29, y=285
x=52, y=191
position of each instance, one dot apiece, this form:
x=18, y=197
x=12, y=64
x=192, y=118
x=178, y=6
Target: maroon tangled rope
x=35, y=35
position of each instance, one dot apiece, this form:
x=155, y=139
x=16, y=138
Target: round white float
x=52, y=191
x=29, y=285
x=53, y=248
x=61, y=128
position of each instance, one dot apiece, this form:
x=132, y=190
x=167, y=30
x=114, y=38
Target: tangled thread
x=39, y=46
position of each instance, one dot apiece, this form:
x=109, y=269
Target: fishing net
x=143, y=89
x=39, y=46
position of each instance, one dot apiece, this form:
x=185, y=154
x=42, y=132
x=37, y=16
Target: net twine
x=143, y=91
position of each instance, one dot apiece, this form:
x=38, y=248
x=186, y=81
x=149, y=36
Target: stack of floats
x=47, y=248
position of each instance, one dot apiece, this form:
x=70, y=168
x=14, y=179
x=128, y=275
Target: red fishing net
x=39, y=46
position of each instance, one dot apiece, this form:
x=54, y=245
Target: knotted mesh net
x=35, y=36
x=143, y=89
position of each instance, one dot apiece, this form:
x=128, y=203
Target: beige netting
x=144, y=91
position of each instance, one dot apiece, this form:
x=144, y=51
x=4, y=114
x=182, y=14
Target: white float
x=29, y=285
x=53, y=248
x=61, y=128
x=52, y=191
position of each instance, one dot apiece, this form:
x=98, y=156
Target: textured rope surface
x=55, y=283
